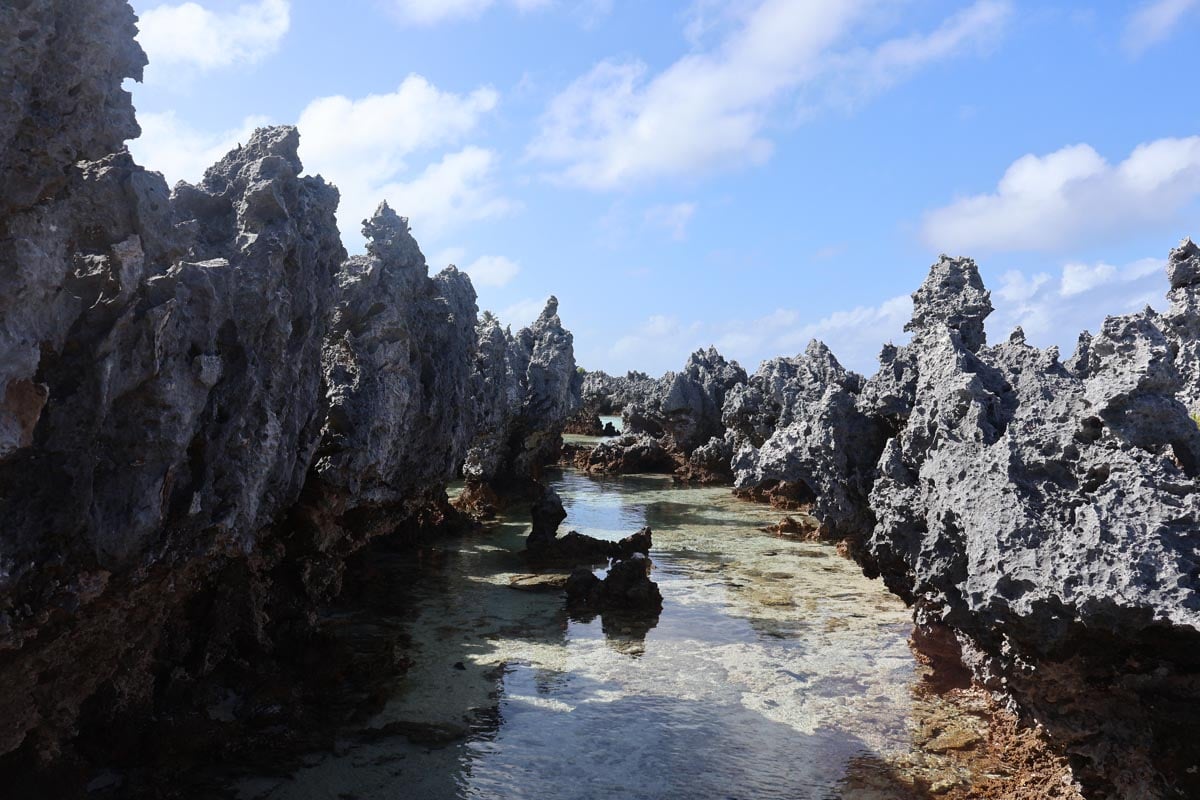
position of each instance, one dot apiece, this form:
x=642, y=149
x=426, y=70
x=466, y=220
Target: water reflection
x=774, y=670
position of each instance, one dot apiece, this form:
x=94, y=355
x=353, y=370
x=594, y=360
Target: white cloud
x=180, y=152
x=493, y=271
x=662, y=342
x=1048, y=202
x=865, y=72
x=1017, y=287
x=673, y=218
x=363, y=146
x=432, y=12
x=1152, y=23
x=856, y=335
x=457, y=190
x=1079, y=278
x=191, y=36
x=618, y=123
x=449, y=255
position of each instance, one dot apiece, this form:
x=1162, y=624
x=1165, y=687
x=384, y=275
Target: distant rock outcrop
x=608, y=394
x=675, y=425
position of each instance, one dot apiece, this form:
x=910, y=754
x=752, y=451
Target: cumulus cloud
x=619, y=123
x=190, y=36
x=1053, y=201
x=672, y=218
x=433, y=12
x=364, y=147
x=855, y=335
x=457, y=190
x=182, y=153
x=493, y=271
x=1152, y=23
x=662, y=342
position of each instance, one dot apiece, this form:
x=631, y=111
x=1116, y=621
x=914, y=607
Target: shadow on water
x=766, y=676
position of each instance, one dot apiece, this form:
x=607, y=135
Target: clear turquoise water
x=774, y=671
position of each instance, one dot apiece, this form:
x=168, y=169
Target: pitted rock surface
x=525, y=388
x=610, y=394
x=686, y=405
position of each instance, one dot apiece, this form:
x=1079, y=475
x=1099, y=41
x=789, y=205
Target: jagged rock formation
x=397, y=361
x=796, y=423
x=1182, y=320
x=627, y=587
x=205, y=406
x=686, y=405
x=1044, y=514
x=675, y=424
x=610, y=394
x=525, y=388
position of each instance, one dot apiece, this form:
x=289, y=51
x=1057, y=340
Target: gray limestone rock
x=525, y=388
x=608, y=394
x=797, y=422
x=686, y=405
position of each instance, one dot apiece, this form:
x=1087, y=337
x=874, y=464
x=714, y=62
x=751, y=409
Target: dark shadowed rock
x=204, y=406
x=626, y=587
x=628, y=454
x=548, y=514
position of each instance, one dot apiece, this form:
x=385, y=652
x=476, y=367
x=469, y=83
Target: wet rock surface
x=629, y=453
x=545, y=546
x=626, y=587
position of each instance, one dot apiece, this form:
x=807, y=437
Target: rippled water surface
x=774, y=671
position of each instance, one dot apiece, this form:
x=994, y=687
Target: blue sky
x=747, y=173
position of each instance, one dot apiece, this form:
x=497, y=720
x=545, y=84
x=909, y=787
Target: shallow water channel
x=776, y=670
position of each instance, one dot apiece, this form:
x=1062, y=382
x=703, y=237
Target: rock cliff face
x=1041, y=515
x=1048, y=514
x=525, y=389
x=205, y=405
